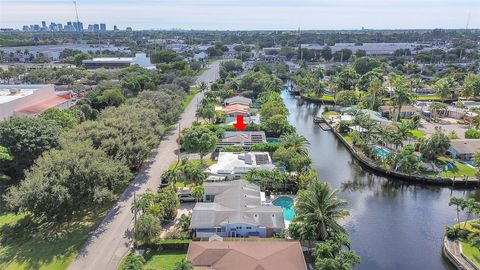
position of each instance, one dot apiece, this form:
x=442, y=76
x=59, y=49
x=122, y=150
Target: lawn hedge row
x=171, y=244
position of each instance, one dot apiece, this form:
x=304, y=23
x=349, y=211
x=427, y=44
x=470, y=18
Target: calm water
x=393, y=224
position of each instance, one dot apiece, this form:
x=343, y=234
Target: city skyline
x=249, y=14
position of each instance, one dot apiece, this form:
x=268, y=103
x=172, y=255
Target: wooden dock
x=324, y=126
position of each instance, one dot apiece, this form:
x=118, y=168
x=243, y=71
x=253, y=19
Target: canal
x=393, y=224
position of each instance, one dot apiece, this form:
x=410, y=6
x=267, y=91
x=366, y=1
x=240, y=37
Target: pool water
x=381, y=152
x=287, y=206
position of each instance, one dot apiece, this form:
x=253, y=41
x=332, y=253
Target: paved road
x=110, y=241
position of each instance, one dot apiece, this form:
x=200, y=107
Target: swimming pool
x=287, y=206
x=381, y=152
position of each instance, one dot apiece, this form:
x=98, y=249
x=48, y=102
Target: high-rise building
x=60, y=27
x=44, y=24
x=103, y=27
x=129, y=29
x=115, y=28
x=96, y=27
x=26, y=28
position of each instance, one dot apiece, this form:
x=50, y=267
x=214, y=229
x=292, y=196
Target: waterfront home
x=407, y=111
x=251, y=255
x=243, y=139
x=375, y=116
x=236, y=109
x=238, y=100
x=235, y=209
x=464, y=149
x=233, y=165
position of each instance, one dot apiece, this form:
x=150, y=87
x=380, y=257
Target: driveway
x=111, y=240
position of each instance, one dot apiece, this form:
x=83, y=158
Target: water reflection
x=393, y=224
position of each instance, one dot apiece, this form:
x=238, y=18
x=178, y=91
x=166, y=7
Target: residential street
x=111, y=240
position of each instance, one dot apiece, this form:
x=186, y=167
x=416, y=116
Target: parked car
x=186, y=198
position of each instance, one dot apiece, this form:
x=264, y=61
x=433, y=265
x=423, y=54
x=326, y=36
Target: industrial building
x=30, y=100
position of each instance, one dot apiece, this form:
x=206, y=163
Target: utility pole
x=134, y=217
x=178, y=145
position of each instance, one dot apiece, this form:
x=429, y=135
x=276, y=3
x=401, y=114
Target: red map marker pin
x=240, y=125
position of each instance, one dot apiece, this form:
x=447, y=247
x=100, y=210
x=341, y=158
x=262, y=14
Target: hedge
x=169, y=244
x=472, y=134
x=265, y=147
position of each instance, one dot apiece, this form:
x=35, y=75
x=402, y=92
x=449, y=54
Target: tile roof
x=247, y=255
x=43, y=105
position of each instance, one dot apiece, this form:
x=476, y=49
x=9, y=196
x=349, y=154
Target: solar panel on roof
x=261, y=159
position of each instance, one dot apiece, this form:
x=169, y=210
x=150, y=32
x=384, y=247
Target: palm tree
x=374, y=87
x=401, y=95
x=170, y=176
x=443, y=87
x=458, y=203
x=203, y=86
x=318, y=210
x=296, y=142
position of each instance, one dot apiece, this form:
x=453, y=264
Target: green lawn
x=347, y=138
x=472, y=252
x=161, y=260
x=417, y=134
x=189, y=97
x=426, y=98
x=458, y=170
x=324, y=97
x=26, y=245
x=326, y=115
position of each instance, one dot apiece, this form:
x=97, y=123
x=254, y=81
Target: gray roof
x=242, y=138
x=235, y=202
x=467, y=146
x=238, y=100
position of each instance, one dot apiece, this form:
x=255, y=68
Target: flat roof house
x=464, y=149
x=251, y=255
x=238, y=100
x=30, y=100
x=234, y=209
x=244, y=139
x=232, y=165
x=407, y=111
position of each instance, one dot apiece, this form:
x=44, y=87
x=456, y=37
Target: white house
x=234, y=209
x=232, y=165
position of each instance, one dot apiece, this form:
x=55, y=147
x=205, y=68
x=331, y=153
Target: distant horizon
x=248, y=15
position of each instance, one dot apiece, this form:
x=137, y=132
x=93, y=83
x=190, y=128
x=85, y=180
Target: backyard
x=163, y=260
x=468, y=248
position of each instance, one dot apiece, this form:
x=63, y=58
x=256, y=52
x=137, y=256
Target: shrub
x=472, y=134
x=170, y=244
x=133, y=261
x=265, y=147
x=231, y=148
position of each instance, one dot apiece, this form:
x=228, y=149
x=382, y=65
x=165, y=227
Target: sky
x=248, y=14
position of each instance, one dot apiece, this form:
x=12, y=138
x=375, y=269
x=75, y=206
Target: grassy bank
x=193, y=91
x=28, y=245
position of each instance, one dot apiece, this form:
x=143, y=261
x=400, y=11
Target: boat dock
x=324, y=126
x=318, y=119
